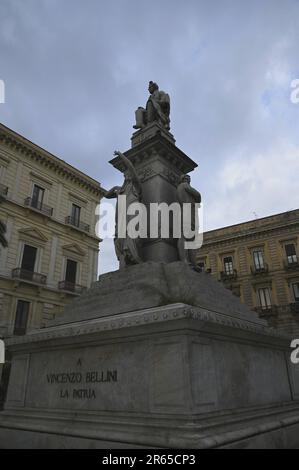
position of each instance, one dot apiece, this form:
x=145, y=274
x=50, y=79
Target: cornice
x=19, y=143
x=157, y=147
x=259, y=233
x=41, y=178
x=145, y=317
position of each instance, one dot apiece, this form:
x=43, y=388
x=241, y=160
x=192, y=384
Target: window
x=291, y=253
x=21, y=319
x=201, y=264
x=228, y=265
x=258, y=259
x=264, y=298
x=295, y=287
x=29, y=257
x=37, y=197
x=71, y=271
x=76, y=210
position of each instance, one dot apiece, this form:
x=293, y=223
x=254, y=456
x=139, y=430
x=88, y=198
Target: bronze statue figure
x=127, y=249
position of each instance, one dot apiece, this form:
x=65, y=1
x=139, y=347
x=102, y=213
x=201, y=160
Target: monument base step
x=275, y=427
x=172, y=376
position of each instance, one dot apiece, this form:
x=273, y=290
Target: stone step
x=151, y=285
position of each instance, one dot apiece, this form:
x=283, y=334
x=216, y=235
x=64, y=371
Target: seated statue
x=157, y=109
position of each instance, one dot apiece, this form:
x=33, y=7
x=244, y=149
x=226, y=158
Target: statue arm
x=131, y=169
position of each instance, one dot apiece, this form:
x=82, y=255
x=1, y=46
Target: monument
x=155, y=354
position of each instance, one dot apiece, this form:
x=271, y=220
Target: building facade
x=258, y=261
x=52, y=253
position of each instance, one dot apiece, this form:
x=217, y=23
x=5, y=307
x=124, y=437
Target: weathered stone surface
x=172, y=376
x=151, y=285
x=159, y=165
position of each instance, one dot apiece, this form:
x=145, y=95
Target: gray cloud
x=76, y=70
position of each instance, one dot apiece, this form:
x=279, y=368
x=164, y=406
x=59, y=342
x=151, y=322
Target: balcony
x=266, y=312
x=294, y=307
x=71, y=287
x=228, y=276
x=3, y=190
x=30, y=276
x=255, y=270
x=43, y=208
x=291, y=265
x=76, y=223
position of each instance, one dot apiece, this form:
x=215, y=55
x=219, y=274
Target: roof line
x=252, y=220
x=33, y=146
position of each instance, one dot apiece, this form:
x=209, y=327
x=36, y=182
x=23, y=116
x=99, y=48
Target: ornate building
x=52, y=253
x=258, y=261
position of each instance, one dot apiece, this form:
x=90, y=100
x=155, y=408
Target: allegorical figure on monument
x=187, y=195
x=157, y=109
x=127, y=249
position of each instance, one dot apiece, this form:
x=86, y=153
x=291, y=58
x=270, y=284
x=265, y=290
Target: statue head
x=152, y=86
x=185, y=179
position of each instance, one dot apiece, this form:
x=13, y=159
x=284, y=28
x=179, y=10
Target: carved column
x=159, y=164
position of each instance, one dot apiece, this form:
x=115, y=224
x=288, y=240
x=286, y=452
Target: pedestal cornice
x=153, y=148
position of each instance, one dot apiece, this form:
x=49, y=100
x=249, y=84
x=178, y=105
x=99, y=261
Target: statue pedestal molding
x=155, y=355
x=150, y=131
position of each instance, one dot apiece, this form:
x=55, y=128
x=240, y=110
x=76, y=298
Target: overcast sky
x=75, y=71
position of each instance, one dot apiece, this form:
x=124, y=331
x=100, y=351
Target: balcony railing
x=228, y=276
x=43, y=208
x=71, y=287
x=3, y=190
x=259, y=269
x=76, y=223
x=294, y=307
x=265, y=312
x=31, y=276
x=294, y=264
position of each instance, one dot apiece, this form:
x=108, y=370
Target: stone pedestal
x=168, y=358
x=160, y=165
